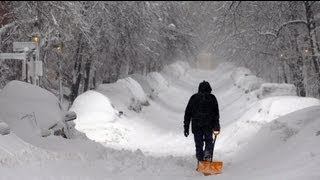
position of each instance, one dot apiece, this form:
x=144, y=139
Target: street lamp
x=36, y=38
x=58, y=48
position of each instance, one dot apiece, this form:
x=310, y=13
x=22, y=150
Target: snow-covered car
x=33, y=111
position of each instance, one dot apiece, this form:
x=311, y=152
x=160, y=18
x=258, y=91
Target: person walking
x=203, y=113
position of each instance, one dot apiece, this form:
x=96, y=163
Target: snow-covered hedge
x=274, y=89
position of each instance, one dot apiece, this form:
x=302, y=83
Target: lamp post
x=59, y=51
x=36, y=40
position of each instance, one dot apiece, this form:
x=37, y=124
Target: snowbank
x=274, y=89
x=142, y=80
x=249, y=83
x=224, y=67
x=176, y=69
x=261, y=112
x=244, y=79
x=240, y=72
x=157, y=81
x=28, y=109
x=4, y=128
x=152, y=84
x=288, y=147
x=125, y=94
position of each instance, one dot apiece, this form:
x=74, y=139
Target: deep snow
x=274, y=136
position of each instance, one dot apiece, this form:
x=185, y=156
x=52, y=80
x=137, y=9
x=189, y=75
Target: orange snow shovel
x=210, y=167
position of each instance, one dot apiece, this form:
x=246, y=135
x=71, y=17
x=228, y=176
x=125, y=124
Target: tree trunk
x=283, y=69
x=94, y=80
x=298, y=70
x=311, y=37
x=77, y=76
x=87, y=77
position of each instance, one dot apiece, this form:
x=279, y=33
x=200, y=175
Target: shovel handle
x=214, y=142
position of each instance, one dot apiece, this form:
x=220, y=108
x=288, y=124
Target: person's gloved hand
x=186, y=132
x=216, y=133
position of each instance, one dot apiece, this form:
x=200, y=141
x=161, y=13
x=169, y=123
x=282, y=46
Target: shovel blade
x=208, y=167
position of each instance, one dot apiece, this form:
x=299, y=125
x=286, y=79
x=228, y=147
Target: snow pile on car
x=29, y=109
x=125, y=94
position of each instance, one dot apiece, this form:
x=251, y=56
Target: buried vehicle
x=31, y=111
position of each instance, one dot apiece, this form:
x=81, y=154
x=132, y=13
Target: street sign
x=38, y=68
x=24, y=46
x=19, y=56
x=31, y=70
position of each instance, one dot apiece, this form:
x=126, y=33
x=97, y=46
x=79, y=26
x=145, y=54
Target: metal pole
x=24, y=70
x=37, y=58
x=33, y=64
x=60, y=81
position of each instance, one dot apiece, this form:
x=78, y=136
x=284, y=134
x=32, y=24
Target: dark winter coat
x=200, y=121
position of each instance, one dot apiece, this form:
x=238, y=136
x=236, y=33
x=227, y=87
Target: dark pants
x=199, y=139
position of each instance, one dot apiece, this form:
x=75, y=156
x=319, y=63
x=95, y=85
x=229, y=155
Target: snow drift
x=244, y=79
x=4, y=128
x=274, y=89
x=176, y=70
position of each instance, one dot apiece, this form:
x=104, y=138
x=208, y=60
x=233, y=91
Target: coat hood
x=204, y=87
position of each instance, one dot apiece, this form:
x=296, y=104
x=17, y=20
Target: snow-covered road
x=254, y=143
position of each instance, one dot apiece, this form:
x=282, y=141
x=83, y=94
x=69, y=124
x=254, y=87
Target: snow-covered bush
x=274, y=89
